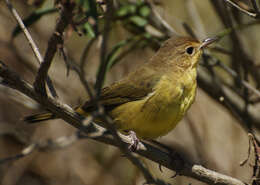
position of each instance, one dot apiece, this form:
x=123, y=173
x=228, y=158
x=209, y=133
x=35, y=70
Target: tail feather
x=39, y=117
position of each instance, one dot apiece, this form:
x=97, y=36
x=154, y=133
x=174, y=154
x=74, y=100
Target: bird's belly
x=156, y=119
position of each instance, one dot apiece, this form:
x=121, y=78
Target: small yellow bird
x=153, y=99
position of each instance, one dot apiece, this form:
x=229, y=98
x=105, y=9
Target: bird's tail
x=39, y=117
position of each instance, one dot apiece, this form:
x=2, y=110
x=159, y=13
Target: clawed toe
x=134, y=141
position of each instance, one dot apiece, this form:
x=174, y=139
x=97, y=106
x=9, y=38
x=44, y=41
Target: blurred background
x=214, y=133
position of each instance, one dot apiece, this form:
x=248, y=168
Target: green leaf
x=112, y=55
x=89, y=7
x=147, y=35
x=33, y=18
x=132, y=8
x=84, y=4
x=89, y=30
x=114, y=52
x=144, y=11
x=139, y=21
x=125, y=10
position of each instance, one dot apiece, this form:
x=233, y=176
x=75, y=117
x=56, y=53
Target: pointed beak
x=207, y=42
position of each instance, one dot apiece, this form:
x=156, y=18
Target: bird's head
x=182, y=52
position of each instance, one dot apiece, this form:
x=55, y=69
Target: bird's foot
x=134, y=144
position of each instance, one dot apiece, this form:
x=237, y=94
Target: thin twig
x=103, y=53
x=55, y=40
x=235, y=75
x=188, y=30
x=256, y=152
x=253, y=144
x=81, y=73
x=157, y=21
x=242, y=163
x=255, y=6
x=229, y=30
x=195, y=18
x=58, y=143
x=123, y=54
x=220, y=50
x=84, y=56
x=251, y=14
x=31, y=42
x=25, y=152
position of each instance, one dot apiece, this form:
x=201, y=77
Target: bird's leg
x=134, y=141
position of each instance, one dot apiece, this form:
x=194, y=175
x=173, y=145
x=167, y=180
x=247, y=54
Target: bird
x=151, y=100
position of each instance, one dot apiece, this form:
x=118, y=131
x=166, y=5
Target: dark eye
x=190, y=50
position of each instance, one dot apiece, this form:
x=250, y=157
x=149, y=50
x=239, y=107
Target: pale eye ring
x=190, y=50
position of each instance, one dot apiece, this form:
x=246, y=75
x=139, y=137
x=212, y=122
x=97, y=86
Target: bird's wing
x=134, y=87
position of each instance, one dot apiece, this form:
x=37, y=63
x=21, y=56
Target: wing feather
x=134, y=87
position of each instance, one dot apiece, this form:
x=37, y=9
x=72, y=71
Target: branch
x=182, y=167
x=157, y=21
x=251, y=14
x=31, y=42
x=103, y=53
x=58, y=143
x=255, y=6
x=55, y=40
x=79, y=69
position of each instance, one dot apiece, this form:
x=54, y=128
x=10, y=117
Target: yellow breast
x=160, y=111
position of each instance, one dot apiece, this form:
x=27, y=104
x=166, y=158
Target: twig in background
x=220, y=50
x=31, y=42
x=80, y=72
x=242, y=163
x=58, y=143
x=235, y=75
x=255, y=6
x=103, y=53
x=157, y=21
x=251, y=14
x=123, y=54
x=195, y=18
x=231, y=103
x=229, y=30
x=256, y=170
x=84, y=56
x=25, y=152
x=55, y=40
x=188, y=30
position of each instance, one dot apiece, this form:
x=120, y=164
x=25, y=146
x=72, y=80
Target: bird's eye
x=190, y=50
